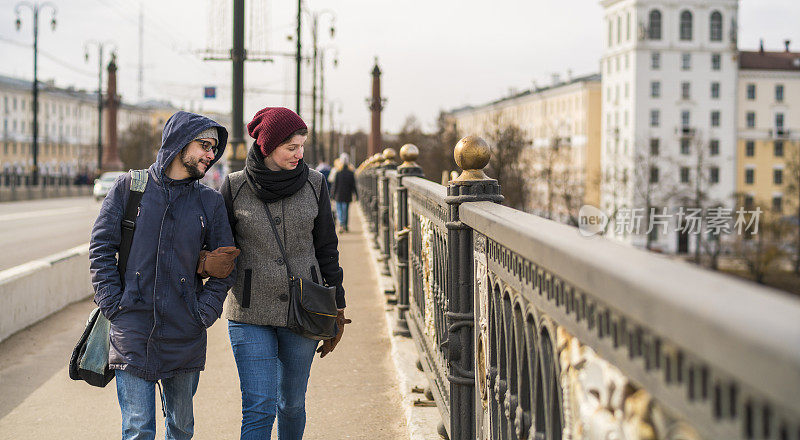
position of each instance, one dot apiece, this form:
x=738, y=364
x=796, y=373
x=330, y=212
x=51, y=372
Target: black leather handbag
x=312, y=306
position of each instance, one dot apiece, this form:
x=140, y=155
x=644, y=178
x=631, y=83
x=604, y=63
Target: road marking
x=41, y=213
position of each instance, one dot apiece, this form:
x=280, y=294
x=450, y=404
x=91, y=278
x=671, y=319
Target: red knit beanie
x=271, y=125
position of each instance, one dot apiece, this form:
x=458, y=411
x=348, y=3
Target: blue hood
x=180, y=129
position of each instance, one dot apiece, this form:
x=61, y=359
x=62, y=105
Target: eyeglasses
x=207, y=146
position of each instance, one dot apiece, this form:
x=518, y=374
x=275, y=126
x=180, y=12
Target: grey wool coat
x=261, y=292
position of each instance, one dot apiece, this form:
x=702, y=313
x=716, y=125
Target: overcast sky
x=434, y=54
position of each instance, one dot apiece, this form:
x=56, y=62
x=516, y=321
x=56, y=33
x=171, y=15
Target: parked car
x=103, y=184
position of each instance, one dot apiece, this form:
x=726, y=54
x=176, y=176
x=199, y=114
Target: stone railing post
x=384, y=228
x=408, y=153
x=472, y=155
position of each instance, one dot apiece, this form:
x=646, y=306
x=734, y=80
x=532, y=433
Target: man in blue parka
x=160, y=313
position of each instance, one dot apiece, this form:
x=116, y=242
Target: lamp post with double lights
x=35, y=8
x=100, y=45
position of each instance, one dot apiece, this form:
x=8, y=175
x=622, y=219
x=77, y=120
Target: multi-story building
x=67, y=127
x=769, y=128
x=562, y=126
x=669, y=73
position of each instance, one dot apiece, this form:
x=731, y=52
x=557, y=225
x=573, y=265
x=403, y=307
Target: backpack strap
x=138, y=185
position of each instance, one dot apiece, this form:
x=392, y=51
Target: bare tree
x=654, y=183
x=506, y=164
x=760, y=251
x=793, y=193
x=139, y=145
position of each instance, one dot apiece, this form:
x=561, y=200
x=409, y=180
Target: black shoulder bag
x=89, y=360
x=312, y=307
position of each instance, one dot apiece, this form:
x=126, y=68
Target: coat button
x=284, y=297
x=277, y=220
x=183, y=280
x=279, y=261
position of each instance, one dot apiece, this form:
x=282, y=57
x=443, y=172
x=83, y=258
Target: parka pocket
x=246, y=287
x=190, y=297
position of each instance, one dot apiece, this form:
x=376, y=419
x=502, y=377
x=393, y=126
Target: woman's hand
x=329, y=344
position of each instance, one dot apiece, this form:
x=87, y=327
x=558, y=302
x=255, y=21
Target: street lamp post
x=35, y=7
x=332, y=130
x=100, y=46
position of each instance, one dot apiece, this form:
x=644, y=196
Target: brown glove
x=217, y=263
x=329, y=344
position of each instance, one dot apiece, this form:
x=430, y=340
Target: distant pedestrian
x=325, y=170
x=274, y=362
x=159, y=308
x=344, y=188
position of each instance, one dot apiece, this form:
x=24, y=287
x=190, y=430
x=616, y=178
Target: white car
x=103, y=184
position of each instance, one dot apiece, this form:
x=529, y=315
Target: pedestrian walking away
x=344, y=188
x=159, y=308
x=273, y=362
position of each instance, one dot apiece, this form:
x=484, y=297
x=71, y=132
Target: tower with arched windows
x=669, y=73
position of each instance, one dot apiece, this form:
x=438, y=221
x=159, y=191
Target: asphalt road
x=38, y=228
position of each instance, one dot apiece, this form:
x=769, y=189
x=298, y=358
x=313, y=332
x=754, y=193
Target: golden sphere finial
x=389, y=156
x=472, y=155
x=409, y=153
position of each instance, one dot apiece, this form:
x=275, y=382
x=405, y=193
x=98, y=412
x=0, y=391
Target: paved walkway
x=352, y=393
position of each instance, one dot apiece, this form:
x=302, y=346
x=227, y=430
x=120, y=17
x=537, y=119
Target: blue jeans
x=274, y=364
x=137, y=401
x=341, y=213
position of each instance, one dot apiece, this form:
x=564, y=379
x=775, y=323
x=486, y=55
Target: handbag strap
x=280, y=243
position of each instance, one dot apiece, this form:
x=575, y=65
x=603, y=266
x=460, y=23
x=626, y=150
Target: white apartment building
x=669, y=79
x=561, y=123
x=67, y=127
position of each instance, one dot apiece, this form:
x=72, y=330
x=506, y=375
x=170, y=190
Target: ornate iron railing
x=528, y=330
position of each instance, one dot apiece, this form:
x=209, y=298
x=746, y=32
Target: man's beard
x=191, y=166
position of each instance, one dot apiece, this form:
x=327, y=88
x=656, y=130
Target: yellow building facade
x=768, y=123
x=562, y=125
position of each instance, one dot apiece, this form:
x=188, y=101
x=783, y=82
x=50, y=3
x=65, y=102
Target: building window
x=655, y=89
x=610, y=33
x=779, y=121
x=628, y=27
x=778, y=148
x=749, y=176
x=715, y=118
x=684, y=174
x=750, y=148
x=654, y=118
x=713, y=146
x=653, y=174
x=655, y=60
x=686, y=26
x=748, y=202
x=654, y=143
x=779, y=93
x=777, y=204
x=751, y=92
x=619, y=30
x=685, y=149
x=777, y=176
x=751, y=119
x=713, y=175
x=685, y=118
x=716, y=61
x=686, y=90
x=686, y=61
x=716, y=26
x=714, y=90
x=654, y=28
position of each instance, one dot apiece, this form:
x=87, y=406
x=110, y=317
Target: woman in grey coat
x=274, y=362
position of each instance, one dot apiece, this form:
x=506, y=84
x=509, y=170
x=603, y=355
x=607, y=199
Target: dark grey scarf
x=271, y=186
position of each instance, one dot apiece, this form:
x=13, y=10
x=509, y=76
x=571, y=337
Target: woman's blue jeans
x=137, y=401
x=341, y=213
x=274, y=364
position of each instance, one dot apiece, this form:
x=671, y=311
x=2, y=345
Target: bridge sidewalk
x=353, y=392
